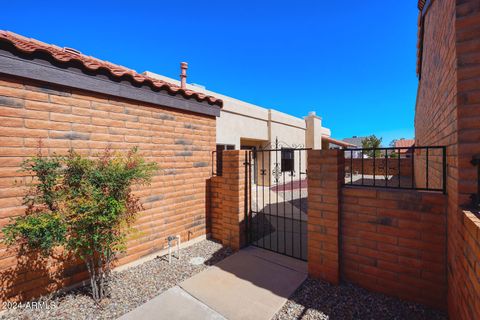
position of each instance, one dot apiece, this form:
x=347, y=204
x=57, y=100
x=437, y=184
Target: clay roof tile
x=28, y=45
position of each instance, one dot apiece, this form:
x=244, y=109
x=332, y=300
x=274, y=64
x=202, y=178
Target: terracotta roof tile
x=337, y=142
x=29, y=45
x=421, y=4
x=404, y=143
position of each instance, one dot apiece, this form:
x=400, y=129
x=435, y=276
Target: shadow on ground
x=316, y=299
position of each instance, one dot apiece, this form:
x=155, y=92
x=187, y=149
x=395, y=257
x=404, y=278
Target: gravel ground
x=319, y=300
x=130, y=288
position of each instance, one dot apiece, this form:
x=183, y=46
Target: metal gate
x=276, y=199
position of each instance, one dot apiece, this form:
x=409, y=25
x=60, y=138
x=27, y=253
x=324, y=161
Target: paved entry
x=276, y=202
x=251, y=284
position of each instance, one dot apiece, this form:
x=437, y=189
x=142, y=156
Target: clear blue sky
x=353, y=62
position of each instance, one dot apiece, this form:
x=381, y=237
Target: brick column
x=232, y=194
x=215, y=208
x=325, y=175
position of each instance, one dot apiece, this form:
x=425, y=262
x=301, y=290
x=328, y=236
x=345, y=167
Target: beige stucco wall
x=245, y=124
x=235, y=126
x=242, y=120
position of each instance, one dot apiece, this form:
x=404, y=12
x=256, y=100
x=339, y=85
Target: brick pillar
x=215, y=208
x=325, y=175
x=232, y=196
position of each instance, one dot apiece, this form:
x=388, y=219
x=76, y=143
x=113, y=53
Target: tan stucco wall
x=242, y=120
x=234, y=126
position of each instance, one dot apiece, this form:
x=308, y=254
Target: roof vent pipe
x=183, y=74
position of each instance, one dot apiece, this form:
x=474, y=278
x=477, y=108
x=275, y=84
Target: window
x=288, y=159
x=220, y=148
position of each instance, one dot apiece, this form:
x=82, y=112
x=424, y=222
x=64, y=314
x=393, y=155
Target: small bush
x=83, y=204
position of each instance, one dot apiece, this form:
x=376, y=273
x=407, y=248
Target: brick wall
x=435, y=116
x=448, y=113
x=463, y=251
x=325, y=177
x=380, y=166
x=215, y=213
x=389, y=241
x=181, y=144
x=464, y=285
x=394, y=242
x=228, y=201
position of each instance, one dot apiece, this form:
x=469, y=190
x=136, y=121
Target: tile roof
x=337, y=142
x=356, y=141
x=421, y=4
x=28, y=45
x=404, y=143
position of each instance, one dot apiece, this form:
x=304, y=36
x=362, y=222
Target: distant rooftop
x=356, y=141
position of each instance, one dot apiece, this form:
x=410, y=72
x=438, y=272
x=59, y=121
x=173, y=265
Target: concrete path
x=250, y=284
x=174, y=303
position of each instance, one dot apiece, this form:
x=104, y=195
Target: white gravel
x=316, y=299
x=130, y=288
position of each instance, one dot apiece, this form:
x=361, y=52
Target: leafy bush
x=41, y=231
x=372, y=142
x=83, y=204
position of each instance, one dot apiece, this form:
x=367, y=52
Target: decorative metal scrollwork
x=281, y=144
x=276, y=172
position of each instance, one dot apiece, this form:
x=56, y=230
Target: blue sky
x=353, y=62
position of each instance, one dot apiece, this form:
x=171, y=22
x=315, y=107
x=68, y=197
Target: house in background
x=245, y=126
x=406, y=146
x=355, y=142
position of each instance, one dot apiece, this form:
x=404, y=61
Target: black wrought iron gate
x=276, y=200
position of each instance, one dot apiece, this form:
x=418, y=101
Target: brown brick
x=69, y=120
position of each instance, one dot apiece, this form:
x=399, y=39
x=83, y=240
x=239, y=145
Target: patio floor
x=251, y=284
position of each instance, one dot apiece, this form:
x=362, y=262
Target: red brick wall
x=464, y=253
x=325, y=177
x=448, y=113
x=435, y=116
x=394, y=242
x=380, y=165
x=215, y=215
x=228, y=201
x=390, y=241
x=181, y=144
x=464, y=285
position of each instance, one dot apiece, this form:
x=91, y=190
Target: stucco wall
x=234, y=126
x=242, y=120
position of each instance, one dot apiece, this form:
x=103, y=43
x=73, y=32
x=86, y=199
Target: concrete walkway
x=251, y=284
x=174, y=303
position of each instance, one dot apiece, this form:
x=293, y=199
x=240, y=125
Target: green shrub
x=84, y=204
x=40, y=231
x=372, y=142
